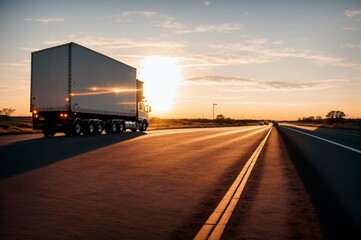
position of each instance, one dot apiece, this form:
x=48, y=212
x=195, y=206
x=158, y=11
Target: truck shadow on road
x=32, y=154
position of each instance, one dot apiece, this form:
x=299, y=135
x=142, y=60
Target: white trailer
x=77, y=90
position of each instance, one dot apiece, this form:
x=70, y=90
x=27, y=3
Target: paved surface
x=165, y=184
x=275, y=203
x=158, y=185
x=329, y=162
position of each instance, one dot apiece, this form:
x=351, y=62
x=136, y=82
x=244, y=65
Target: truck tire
x=99, y=128
x=113, y=127
x=77, y=127
x=48, y=132
x=121, y=127
x=49, y=129
x=144, y=126
x=90, y=128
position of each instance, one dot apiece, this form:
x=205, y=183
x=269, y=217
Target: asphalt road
x=154, y=185
x=165, y=184
x=329, y=162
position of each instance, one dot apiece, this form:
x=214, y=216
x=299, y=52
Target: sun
x=161, y=76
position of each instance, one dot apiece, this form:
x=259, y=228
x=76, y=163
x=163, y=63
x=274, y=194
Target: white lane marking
x=216, y=223
x=323, y=139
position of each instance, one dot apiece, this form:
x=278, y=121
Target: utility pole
x=214, y=104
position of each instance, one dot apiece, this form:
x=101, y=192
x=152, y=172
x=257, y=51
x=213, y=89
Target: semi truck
x=76, y=90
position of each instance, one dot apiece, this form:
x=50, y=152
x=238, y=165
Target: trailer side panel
x=101, y=85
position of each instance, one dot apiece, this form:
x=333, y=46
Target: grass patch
x=16, y=125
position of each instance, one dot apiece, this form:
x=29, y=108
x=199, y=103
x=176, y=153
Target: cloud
x=29, y=49
x=352, y=13
x=220, y=28
x=260, y=49
x=277, y=42
x=115, y=43
x=168, y=22
x=207, y=3
x=215, y=79
x=350, y=45
x=240, y=84
x=158, y=19
x=140, y=13
x=350, y=28
x=130, y=16
x=293, y=85
x=214, y=60
x=45, y=20
x=15, y=64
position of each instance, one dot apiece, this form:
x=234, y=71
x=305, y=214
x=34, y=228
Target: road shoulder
x=275, y=204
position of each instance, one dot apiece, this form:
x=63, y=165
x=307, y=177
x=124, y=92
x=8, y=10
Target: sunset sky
x=255, y=59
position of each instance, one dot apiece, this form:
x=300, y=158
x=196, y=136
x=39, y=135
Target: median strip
x=216, y=223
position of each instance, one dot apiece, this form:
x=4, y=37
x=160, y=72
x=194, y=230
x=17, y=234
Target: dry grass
x=16, y=125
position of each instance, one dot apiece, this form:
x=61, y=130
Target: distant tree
x=318, y=119
x=7, y=111
x=330, y=115
x=335, y=116
x=220, y=117
x=309, y=119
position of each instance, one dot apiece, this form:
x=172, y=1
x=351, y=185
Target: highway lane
x=155, y=185
x=329, y=162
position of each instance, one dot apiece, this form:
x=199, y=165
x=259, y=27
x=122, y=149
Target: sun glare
x=161, y=76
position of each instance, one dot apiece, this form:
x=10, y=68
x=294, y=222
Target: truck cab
x=143, y=110
x=143, y=116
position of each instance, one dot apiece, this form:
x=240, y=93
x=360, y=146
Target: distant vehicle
x=76, y=90
x=275, y=123
x=266, y=123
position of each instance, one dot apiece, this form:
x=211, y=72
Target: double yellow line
x=216, y=223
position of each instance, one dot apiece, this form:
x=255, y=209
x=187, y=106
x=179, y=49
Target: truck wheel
x=144, y=126
x=48, y=132
x=99, y=128
x=121, y=127
x=77, y=128
x=52, y=133
x=90, y=128
x=113, y=127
